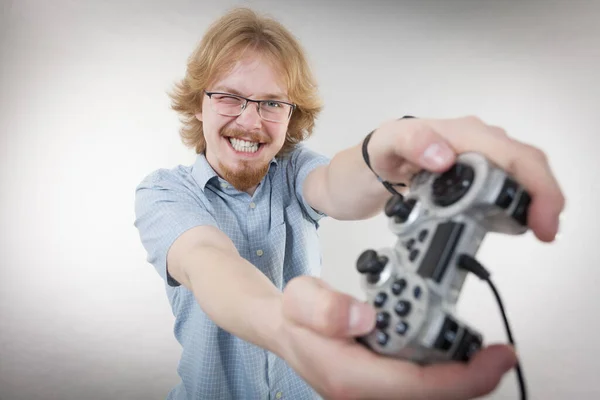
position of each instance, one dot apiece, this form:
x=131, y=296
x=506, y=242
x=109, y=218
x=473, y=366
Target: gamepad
x=415, y=284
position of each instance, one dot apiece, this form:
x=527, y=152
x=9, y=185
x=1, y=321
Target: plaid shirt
x=275, y=230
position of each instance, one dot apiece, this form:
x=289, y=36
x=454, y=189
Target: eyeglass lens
x=230, y=105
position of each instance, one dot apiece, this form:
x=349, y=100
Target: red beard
x=251, y=172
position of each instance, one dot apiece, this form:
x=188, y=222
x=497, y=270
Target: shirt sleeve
x=164, y=209
x=304, y=161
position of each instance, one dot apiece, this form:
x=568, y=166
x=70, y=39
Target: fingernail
x=362, y=318
x=437, y=155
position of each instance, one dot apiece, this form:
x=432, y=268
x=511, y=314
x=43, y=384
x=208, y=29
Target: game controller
x=416, y=284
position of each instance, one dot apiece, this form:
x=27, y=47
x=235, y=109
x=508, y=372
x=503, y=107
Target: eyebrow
x=270, y=96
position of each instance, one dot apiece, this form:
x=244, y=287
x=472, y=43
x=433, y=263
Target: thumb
x=311, y=303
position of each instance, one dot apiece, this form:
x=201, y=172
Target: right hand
x=319, y=345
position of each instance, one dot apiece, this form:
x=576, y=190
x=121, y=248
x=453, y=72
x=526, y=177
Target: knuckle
x=498, y=132
x=473, y=120
x=417, y=138
x=538, y=154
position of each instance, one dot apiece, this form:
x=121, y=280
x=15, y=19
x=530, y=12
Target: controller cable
x=470, y=264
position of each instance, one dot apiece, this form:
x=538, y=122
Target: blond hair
x=222, y=46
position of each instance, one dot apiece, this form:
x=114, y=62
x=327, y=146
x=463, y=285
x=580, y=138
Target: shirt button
x=278, y=395
x=252, y=205
x=224, y=185
x=259, y=253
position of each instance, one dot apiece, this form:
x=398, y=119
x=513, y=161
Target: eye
x=227, y=99
x=272, y=104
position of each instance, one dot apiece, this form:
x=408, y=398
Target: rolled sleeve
x=164, y=209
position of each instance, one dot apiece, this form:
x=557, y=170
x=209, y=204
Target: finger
x=389, y=378
x=311, y=303
x=477, y=378
x=527, y=164
x=421, y=145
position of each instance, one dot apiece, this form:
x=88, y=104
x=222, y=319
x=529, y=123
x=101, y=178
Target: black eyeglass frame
x=258, y=103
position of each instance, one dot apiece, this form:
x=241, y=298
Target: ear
x=199, y=116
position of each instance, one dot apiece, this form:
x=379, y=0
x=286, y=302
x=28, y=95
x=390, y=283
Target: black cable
x=389, y=186
x=470, y=264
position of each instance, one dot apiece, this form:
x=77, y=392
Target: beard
x=248, y=174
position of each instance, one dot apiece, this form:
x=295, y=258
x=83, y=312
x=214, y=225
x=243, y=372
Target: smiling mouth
x=244, y=146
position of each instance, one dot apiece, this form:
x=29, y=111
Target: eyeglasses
x=232, y=105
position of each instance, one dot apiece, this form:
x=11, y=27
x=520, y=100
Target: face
x=241, y=148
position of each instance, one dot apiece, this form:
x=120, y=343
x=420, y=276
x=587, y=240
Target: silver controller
x=415, y=285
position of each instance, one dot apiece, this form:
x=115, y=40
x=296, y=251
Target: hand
x=399, y=149
x=318, y=329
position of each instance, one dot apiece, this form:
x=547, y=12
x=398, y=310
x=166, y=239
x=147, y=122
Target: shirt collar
x=204, y=173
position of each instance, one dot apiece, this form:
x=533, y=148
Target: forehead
x=252, y=76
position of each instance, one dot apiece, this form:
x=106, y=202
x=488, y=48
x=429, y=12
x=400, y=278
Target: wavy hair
x=225, y=43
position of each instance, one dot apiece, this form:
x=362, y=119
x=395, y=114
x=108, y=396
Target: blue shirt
x=275, y=230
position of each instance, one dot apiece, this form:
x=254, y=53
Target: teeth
x=243, y=145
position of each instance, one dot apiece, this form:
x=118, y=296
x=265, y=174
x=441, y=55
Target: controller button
x=417, y=292
x=413, y=255
x=402, y=308
x=401, y=327
x=437, y=258
x=371, y=264
x=452, y=185
x=398, y=208
x=381, y=337
x=468, y=345
x=507, y=193
x=382, y=320
x=521, y=209
x=410, y=243
x=423, y=235
x=380, y=299
x=447, y=335
x=398, y=286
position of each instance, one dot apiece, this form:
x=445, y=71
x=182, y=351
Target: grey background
x=84, y=116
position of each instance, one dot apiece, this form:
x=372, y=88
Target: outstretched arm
x=346, y=188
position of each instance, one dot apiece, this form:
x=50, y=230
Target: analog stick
x=452, y=185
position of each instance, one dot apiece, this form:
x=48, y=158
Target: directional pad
x=382, y=337
x=401, y=327
x=382, y=320
x=380, y=299
x=401, y=311
x=398, y=286
x=402, y=308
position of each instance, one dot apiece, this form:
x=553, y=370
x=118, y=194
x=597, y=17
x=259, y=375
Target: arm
x=346, y=189
x=230, y=290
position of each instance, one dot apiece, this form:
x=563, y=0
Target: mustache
x=238, y=133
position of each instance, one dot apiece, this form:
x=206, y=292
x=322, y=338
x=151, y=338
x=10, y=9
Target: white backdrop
x=84, y=116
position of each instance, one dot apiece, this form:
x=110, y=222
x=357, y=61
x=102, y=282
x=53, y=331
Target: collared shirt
x=275, y=230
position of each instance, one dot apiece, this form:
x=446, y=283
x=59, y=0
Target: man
x=234, y=235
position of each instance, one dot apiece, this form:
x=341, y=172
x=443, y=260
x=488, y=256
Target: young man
x=234, y=236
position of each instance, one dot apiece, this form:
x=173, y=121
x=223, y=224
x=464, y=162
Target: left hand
x=318, y=342
x=400, y=148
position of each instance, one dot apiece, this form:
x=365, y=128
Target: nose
x=249, y=118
